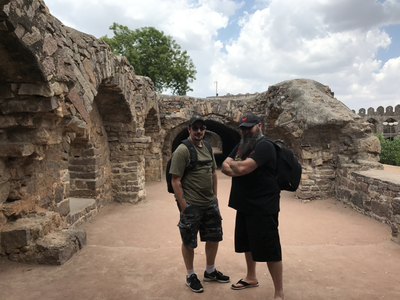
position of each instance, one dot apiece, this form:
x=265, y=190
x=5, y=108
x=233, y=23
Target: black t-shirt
x=257, y=192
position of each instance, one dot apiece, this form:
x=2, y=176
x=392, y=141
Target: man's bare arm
x=176, y=184
x=243, y=167
x=226, y=169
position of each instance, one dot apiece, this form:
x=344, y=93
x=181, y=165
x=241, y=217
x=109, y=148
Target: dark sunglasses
x=246, y=128
x=202, y=128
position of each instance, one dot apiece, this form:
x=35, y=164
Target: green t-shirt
x=197, y=184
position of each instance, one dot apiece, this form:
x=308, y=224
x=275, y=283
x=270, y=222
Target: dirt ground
x=133, y=252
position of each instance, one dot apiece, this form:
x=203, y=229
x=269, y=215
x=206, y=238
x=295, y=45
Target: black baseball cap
x=195, y=119
x=249, y=120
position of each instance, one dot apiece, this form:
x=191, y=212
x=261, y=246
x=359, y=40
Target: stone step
x=37, y=238
x=53, y=249
x=22, y=232
x=80, y=208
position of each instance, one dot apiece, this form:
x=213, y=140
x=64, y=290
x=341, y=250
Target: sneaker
x=215, y=276
x=194, y=284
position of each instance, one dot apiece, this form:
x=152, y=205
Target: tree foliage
x=155, y=55
x=390, y=153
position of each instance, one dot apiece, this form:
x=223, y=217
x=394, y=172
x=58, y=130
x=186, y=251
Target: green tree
x=155, y=55
x=390, y=153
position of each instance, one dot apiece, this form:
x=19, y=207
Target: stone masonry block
x=396, y=206
x=85, y=175
x=58, y=247
x=31, y=105
x=63, y=208
x=84, y=161
x=16, y=149
x=15, y=238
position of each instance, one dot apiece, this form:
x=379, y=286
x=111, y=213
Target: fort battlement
x=377, y=117
x=380, y=111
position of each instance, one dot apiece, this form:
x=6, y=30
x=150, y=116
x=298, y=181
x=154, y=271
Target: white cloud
x=332, y=41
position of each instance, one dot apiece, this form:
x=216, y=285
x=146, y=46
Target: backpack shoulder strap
x=193, y=153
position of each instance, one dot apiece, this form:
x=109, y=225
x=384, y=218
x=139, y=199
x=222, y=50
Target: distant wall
x=380, y=115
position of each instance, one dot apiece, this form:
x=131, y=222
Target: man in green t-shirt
x=196, y=196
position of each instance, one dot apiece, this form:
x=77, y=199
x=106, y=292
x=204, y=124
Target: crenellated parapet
x=380, y=111
x=383, y=120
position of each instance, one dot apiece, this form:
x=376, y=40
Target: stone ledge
x=382, y=175
x=25, y=231
x=54, y=249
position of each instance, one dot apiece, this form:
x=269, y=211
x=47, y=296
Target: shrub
x=390, y=153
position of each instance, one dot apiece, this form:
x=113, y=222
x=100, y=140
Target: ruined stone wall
x=72, y=119
x=375, y=194
x=376, y=119
x=235, y=97
x=323, y=133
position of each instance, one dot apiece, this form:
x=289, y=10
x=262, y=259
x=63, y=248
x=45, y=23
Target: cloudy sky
x=245, y=46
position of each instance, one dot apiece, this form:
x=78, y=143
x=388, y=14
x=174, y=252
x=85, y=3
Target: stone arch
x=215, y=141
x=113, y=104
x=216, y=124
x=89, y=170
x=17, y=61
x=390, y=131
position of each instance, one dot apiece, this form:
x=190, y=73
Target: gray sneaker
x=194, y=284
x=215, y=276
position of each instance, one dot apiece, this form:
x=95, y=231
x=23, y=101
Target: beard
x=247, y=143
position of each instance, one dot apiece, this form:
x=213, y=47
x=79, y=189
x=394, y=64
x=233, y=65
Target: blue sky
x=353, y=46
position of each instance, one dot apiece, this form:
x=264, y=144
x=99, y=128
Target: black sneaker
x=194, y=284
x=215, y=276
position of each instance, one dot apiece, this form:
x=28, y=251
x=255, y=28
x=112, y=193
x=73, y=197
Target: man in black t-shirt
x=255, y=196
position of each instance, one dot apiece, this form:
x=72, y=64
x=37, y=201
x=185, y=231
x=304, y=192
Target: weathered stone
x=4, y=191
x=49, y=45
x=16, y=149
x=380, y=209
x=59, y=194
x=31, y=38
x=43, y=90
x=396, y=206
x=39, y=136
x=13, y=121
x=77, y=125
x=358, y=199
x=57, y=248
x=63, y=208
x=14, y=238
x=41, y=105
x=59, y=88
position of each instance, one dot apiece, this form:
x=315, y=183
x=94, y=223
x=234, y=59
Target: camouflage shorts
x=206, y=219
